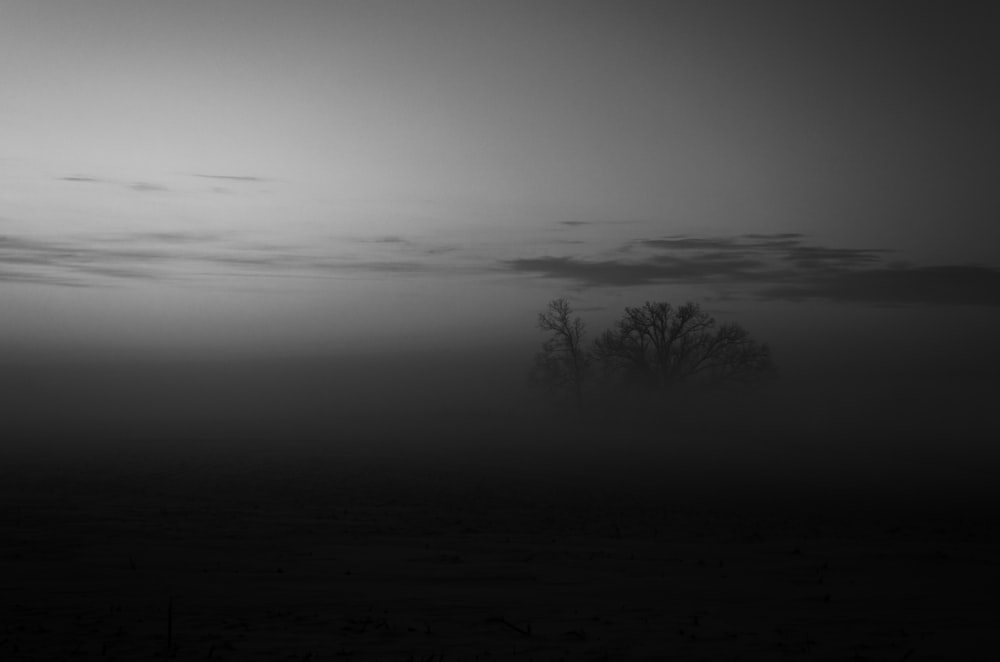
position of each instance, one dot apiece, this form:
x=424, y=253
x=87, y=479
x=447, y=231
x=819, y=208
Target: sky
x=192, y=182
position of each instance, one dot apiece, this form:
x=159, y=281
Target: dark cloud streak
x=82, y=178
x=138, y=186
x=810, y=257
x=946, y=284
x=147, y=187
x=179, y=255
x=581, y=224
x=591, y=274
x=742, y=243
x=775, y=267
x=233, y=178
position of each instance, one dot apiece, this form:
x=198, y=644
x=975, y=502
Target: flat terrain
x=357, y=557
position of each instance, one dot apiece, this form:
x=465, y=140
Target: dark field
x=378, y=553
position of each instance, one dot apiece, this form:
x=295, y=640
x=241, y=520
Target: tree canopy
x=654, y=347
x=563, y=361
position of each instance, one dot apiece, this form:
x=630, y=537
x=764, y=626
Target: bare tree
x=650, y=350
x=658, y=346
x=563, y=361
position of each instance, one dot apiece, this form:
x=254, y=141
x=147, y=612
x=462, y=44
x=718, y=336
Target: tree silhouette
x=563, y=362
x=651, y=349
x=659, y=346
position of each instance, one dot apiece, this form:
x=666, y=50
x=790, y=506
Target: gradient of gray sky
x=300, y=176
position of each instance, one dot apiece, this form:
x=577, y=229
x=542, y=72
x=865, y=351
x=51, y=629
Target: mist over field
x=831, y=436
x=564, y=330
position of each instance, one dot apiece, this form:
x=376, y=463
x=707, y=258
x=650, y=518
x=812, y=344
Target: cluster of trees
x=652, y=348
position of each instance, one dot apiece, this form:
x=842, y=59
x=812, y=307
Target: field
x=383, y=556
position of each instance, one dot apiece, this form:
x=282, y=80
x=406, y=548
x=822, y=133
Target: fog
x=804, y=435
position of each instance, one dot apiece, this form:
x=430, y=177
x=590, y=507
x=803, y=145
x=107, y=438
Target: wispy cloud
x=760, y=266
x=19, y=276
x=233, y=178
x=440, y=250
x=146, y=187
x=395, y=242
x=592, y=273
x=581, y=224
x=387, y=239
x=138, y=186
x=944, y=284
x=190, y=238
x=82, y=178
x=772, y=266
x=741, y=243
x=184, y=256
x=820, y=257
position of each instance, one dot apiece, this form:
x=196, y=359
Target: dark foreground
x=368, y=557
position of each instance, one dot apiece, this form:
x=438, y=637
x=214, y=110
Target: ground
x=362, y=558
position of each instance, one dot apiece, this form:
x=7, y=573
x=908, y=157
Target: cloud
x=818, y=257
x=774, y=235
x=140, y=186
x=233, y=178
x=579, y=224
x=624, y=273
x=173, y=237
x=397, y=244
x=772, y=267
x=743, y=243
x=8, y=276
x=82, y=178
x=145, y=187
x=598, y=273
x=762, y=267
x=440, y=250
x=69, y=262
x=101, y=259
x=377, y=239
x=946, y=284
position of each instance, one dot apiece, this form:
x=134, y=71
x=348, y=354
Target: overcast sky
x=311, y=178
